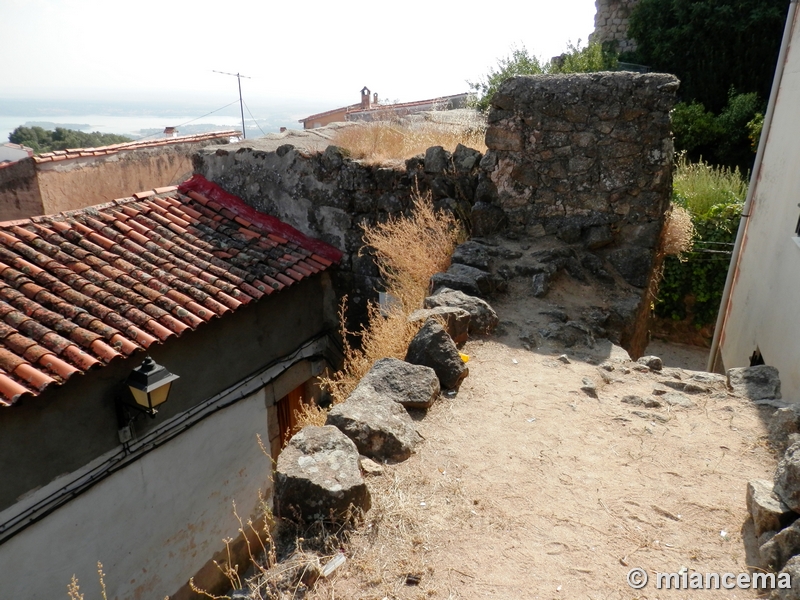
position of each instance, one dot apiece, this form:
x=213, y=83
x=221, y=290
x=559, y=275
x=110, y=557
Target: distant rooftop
x=135, y=145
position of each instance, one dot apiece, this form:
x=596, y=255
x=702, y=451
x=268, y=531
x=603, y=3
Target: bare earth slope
x=528, y=487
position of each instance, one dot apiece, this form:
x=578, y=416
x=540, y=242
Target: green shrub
x=591, y=58
x=693, y=285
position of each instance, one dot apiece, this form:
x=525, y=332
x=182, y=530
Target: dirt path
x=528, y=487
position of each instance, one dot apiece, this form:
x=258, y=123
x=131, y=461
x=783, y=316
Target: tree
x=521, y=62
x=711, y=45
x=45, y=140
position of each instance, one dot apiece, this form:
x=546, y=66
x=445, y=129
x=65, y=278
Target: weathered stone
x=472, y=254
x=413, y=386
x=379, y=426
x=787, y=477
x=654, y=363
x=486, y=218
x=784, y=545
x=633, y=264
x=467, y=279
x=784, y=423
x=370, y=467
x=788, y=581
x=454, y=320
x=676, y=399
x=639, y=401
x=768, y=511
x=756, y=383
x=650, y=416
x=437, y=160
x=588, y=387
x=318, y=476
x=684, y=386
x=598, y=236
x=433, y=348
x=569, y=334
x=483, y=319
x=540, y=284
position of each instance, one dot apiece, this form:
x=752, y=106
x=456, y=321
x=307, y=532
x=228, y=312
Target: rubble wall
x=588, y=158
x=585, y=158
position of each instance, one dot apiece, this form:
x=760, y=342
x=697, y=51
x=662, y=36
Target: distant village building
x=13, y=152
x=68, y=179
x=369, y=109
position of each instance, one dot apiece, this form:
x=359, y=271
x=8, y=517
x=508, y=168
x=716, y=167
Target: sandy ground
x=528, y=487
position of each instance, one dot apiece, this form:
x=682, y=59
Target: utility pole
x=241, y=104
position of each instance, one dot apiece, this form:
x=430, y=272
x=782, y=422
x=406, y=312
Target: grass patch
x=700, y=186
x=396, y=140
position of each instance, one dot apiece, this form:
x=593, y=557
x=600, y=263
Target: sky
x=318, y=52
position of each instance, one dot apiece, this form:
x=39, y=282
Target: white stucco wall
x=152, y=524
x=763, y=309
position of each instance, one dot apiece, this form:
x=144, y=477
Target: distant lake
x=133, y=119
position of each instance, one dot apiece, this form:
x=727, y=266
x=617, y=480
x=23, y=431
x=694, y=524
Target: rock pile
x=318, y=474
x=775, y=505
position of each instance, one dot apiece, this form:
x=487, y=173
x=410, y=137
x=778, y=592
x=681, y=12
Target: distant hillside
x=45, y=140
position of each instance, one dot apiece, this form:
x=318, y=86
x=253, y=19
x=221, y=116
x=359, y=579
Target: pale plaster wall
x=82, y=182
x=155, y=522
x=766, y=291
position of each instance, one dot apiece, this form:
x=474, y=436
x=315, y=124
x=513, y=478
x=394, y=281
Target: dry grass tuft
x=408, y=250
x=396, y=140
x=678, y=232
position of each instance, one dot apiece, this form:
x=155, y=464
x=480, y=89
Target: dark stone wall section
x=585, y=157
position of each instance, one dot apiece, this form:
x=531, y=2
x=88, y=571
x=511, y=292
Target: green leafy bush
x=692, y=285
x=724, y=139
x=521, y=62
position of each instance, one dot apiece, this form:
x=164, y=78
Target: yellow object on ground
x=464, y=357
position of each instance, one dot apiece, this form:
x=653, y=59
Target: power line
x=241, y=103
x=192, y=120
x=254, y=119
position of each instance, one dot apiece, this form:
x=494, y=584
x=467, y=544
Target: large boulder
x=761, y=382
x=483, y=319
x=433, y=348
x=465, y=278
x=784, y=423
x=781, y=547
x=787, y=477
x=318, y=476
x=454, y=320
x=472, y=254
x=413, y=386
x=788, y=581
x=768, y=511
x=379, y=427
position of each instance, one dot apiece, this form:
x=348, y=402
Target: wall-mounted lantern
x=149, y=386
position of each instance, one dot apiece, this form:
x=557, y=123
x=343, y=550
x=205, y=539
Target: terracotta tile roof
x=81, y=288
x=355, y=109
x=60, y=155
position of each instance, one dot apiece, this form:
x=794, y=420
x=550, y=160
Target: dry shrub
x=407, y=250
x=678, y=232
x=395, y=140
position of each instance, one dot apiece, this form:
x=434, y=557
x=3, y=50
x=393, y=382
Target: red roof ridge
x=263, y=221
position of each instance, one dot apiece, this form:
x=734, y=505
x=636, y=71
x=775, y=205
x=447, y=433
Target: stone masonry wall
x=329, y=196
x=611, y=23
x=587, y=157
